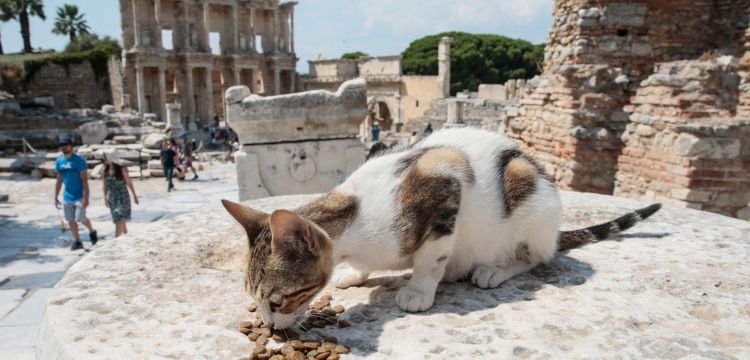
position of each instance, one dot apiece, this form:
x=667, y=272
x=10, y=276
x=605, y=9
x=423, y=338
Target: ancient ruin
x=162, y=294
x=645, y=99
x=168, y=55
x=392, y=97
x=298, y=143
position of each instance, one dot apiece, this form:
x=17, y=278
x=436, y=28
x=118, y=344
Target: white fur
x=484, y=241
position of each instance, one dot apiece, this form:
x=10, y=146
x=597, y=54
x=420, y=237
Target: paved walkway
x=34, y=253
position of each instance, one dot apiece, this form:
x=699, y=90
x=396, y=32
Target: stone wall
x=624, y=80
x=684, y=145
x=72, y=86
x=572, y=122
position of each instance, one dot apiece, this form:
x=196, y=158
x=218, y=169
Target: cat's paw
x=412, y=300
x=487, y=277
x=347, y=277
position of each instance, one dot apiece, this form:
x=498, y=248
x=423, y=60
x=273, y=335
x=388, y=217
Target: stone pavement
x=34, y=253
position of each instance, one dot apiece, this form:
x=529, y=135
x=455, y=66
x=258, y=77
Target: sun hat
x=113, y=156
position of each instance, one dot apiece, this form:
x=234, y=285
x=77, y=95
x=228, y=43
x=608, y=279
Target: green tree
x=354, y=55
x=70, y=22
x=475, y=59
x=89, y=41
x=21, y=10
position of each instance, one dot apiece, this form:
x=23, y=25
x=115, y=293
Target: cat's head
x=290, y=260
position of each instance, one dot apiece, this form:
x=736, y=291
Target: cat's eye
x=273, y=305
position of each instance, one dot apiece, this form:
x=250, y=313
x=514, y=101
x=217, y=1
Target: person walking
x=71, y=171
x=169, y=160
x=187, y=155
x=427, y=130
x=375, y=132
x=116, y=181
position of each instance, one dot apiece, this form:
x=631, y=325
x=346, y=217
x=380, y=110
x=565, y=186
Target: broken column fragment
x=296, y=143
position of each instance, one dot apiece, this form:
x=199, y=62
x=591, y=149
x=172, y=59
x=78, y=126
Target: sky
x=329, y=28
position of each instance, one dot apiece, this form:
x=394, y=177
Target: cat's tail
x=576, y=238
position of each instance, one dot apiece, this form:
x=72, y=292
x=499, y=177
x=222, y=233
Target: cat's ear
x=290, y=233
x=252, y=220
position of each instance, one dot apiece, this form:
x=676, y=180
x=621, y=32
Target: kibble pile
x=321, y=315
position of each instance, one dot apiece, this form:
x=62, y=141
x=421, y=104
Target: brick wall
x=599, y=68
x=684, y=144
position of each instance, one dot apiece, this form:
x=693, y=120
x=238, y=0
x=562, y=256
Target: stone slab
x=27, y=265
x=15, y=337
x=9, y=300
x=309, y=115
x=674, y=287
x=33, y=281
x=18, y=353
x=30, y=311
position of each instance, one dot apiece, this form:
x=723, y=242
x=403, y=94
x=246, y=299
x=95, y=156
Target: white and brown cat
x=461, y=203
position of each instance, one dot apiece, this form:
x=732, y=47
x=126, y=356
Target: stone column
x=455, y=115
x=253, y=82
x=136, y=24
x=174, y=120
x=252, y=30
x=140, y=87
x=189, y=93
x=444, y=65
x=275, y=30
x=157, y=24
x=185, y=26
x=209, y=93
x=237, y=76
x=276, y=81
x=235, y=28
x=205, y=28
x=291, y=29
x=292, y=80
x=162, y=91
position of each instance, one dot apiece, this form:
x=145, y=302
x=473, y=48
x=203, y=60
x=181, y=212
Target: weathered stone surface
x=109, y=109
x=153, y=141
x=45, y=101
x=674, y=279
x=310, y=115
x=48, y=169
x=93, y=132
x=124, y=139
x=155, y=165
x=295, y=168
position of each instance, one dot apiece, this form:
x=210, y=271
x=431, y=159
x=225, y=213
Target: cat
x=462, y=203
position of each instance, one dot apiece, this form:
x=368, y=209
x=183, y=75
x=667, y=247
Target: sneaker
x=196, y=176
x=93, y=237
x=76, y=246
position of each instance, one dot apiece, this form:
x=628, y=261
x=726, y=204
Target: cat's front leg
x=429, y=265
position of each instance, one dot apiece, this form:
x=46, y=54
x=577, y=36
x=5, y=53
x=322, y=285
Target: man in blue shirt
x=71, y=171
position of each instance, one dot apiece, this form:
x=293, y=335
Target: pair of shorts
x=188, y=162
x=75, y=211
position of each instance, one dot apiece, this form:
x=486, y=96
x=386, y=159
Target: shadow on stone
x=460, y=298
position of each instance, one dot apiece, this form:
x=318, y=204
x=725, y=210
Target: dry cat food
x=322, y=314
